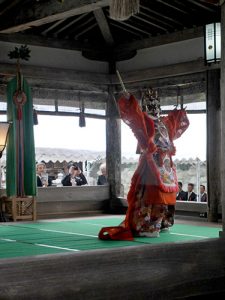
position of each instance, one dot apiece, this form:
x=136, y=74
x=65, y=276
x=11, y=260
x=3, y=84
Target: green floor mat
x=38, y=238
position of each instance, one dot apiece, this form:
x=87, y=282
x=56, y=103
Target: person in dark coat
x=181, y=195
x=74, y=178
x=203, y=195
x=190, y=194
x=43, y=179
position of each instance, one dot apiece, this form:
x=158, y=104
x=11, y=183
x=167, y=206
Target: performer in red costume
x=152, y=195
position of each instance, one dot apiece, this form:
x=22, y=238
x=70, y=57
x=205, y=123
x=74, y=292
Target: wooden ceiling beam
x=104, y=26
x=191, y=67
x=47, y=42
x=65, y=76
x=43, y=13
x=162, y=39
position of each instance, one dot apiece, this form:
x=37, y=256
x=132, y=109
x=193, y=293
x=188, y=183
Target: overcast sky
x=64, y=132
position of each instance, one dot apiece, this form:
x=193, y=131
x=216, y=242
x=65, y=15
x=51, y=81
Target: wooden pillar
x=222, y=95
x=213, y=143
x=113, y=149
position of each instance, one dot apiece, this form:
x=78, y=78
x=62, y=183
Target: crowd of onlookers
x=190, y=195
x=73, y=176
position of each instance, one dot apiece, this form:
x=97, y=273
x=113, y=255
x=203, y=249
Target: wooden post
x=113, y=149
x=222, y=95
x=213, y=143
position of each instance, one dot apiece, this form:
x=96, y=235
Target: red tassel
x=19, y=113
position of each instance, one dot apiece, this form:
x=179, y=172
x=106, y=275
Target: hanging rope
x=121, y=10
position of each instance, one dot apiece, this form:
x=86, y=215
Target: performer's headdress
x=151, y=102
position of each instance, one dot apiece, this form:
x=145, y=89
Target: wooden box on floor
x=20, y=208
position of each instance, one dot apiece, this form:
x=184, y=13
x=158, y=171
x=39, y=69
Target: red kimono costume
x=154, y=183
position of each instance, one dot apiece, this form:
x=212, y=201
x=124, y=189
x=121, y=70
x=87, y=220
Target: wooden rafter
x=150, y=23
x=173, y=7
x=161, y=16
x=70, y=24
x=152, y=18
x=126, y=24
x=52, y=11
x=126, y=29
x=104, y=26
x=82, y=26
x=85, y=30
x=197, y=3
x=52, y=26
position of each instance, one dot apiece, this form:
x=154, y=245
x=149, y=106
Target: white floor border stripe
x=43, y=245
x=66, y=232
x=184, y=234
x=56, y=247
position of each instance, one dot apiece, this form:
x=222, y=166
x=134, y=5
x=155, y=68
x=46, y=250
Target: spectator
x=190, y=195
x=74, y=178
x=102, y=179
x=181, y=195
x=203, y=195
x=43, y=179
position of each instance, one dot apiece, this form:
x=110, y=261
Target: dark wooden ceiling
x=85, y=25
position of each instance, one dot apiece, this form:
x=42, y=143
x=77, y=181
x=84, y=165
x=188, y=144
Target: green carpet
x=27, y=239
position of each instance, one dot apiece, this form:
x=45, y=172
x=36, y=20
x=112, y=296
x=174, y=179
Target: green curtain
x=29, y=165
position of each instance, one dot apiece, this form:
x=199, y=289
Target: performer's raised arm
x=133, y=116
x=176, y=122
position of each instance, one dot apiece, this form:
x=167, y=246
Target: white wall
x=164, y=55
x=53, y=57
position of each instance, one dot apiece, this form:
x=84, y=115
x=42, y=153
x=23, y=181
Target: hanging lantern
x=212, y=42
x=121, y=10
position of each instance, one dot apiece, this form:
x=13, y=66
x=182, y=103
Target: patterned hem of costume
x=149, y=234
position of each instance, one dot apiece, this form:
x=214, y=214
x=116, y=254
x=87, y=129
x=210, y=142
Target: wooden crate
x=20, y=208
